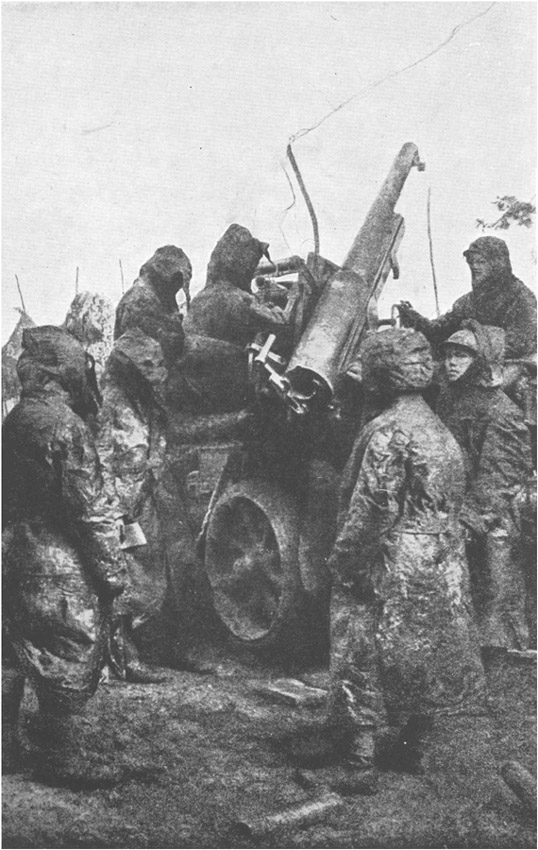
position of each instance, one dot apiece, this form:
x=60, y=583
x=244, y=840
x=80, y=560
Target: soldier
x=497, y=298
x=61, y=561
x=404, y=649
x=132, y=445
x=226, y=309
x=90, y=319
x=150, y=304
x=496, y=445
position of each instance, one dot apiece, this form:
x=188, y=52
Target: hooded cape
x=225, y=309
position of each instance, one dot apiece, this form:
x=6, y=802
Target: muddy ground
x=210, y=743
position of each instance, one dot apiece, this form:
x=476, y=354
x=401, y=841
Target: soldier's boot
x=123, y=658
x=135, y=669
x=63, y=759
x=358, y=774
x=12, y=692
x=361, y=751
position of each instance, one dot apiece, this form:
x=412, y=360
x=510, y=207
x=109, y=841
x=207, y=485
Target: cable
x=390, y=76
x=306, y=196
x=344, y=103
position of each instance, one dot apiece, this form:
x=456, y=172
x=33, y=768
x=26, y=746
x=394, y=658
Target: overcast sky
x=127, y=126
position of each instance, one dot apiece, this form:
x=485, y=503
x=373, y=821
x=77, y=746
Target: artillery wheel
x=251, y=562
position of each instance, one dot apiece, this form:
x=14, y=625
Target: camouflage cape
x=131, y=443
x=496, y=446
x=150, y=304
x=61, y=559
x=504, y=301
x=226, y=309
x=403, y=641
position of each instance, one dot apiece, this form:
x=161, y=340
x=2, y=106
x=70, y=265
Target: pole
x=122, y=280
x=76, y=282
x=431, y=254
x=20, y=294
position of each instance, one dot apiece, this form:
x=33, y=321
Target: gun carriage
x=270, y=522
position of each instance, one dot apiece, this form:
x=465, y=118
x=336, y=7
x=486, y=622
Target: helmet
x=396, y=361
x=463, y=339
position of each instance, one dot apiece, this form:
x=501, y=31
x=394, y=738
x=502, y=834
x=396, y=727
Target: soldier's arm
x=435, y=330
x=262, y=317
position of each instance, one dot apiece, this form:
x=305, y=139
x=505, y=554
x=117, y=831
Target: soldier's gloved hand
x=272, y=293
x=280, y=313
x=408, y=315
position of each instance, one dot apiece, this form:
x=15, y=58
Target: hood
x=395, y=361
x=90, y=318
x=168, y=271
x=235, y=257
x=493, y=249
x=51, y=354
x=487, y=369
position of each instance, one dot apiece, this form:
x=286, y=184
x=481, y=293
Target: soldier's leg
x=355, y=709
x=503, y=615
x=355, y=701
x=354, y=704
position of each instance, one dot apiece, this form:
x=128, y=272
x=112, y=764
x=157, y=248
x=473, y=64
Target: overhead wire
x=301, y=133
x=289, y=207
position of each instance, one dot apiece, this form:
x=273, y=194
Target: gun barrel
x=340, y=317
x=361, y=258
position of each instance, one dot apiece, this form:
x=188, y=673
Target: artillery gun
x=270, y=523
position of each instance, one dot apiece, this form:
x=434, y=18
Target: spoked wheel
x=252, y=563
